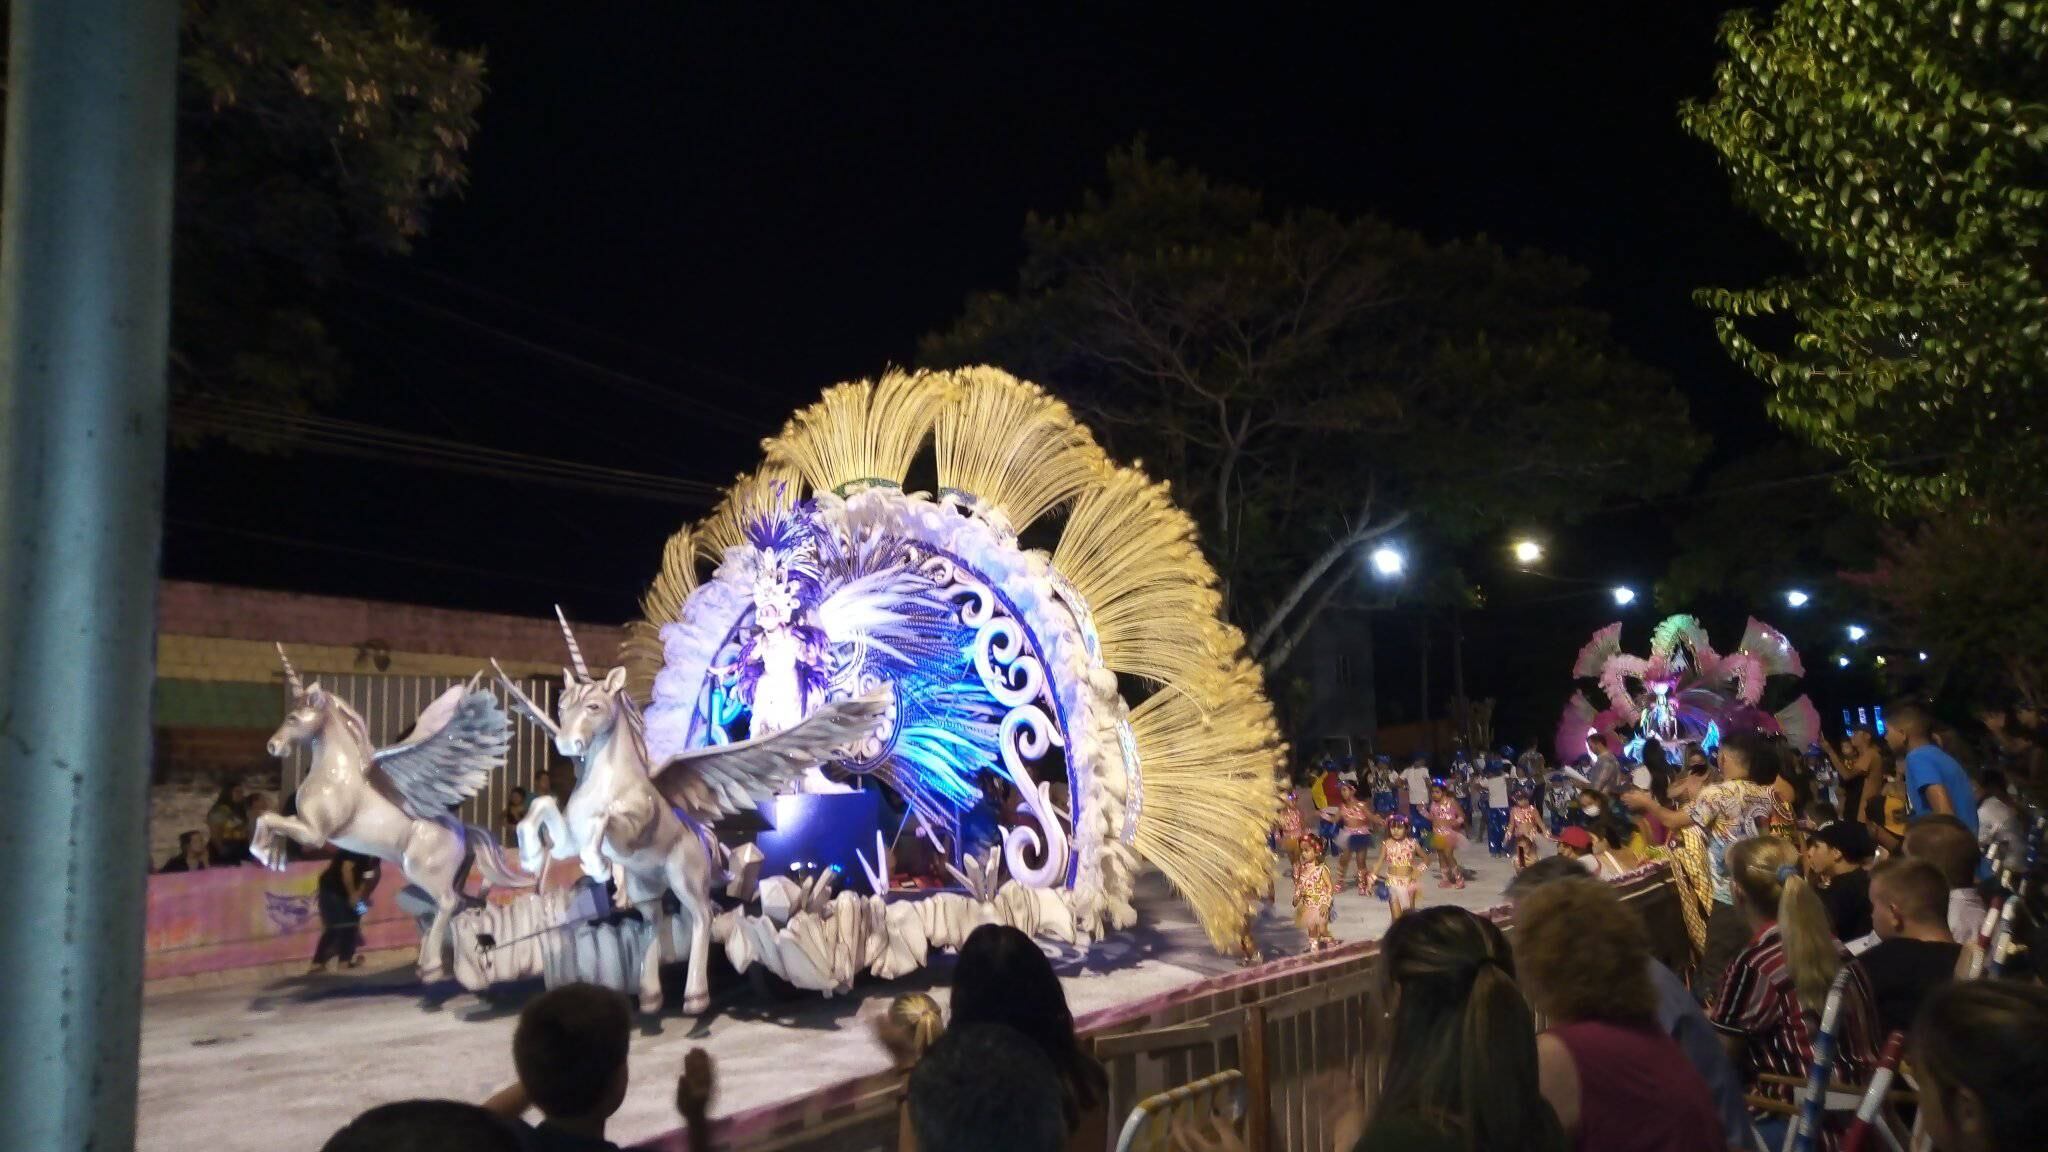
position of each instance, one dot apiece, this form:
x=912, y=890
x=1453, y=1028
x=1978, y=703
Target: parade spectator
x=1837, y=861
x=1817, y=815
x=192, y=855
x=1741, y=805
x=695, y=1089
x=515, y=808
x=1616, y=845
x=1980, y=1052
x=259, y=805
x=1947, y=843
x=426, y=1126
x=1605, y=774
x=1678, y=1012
x=1862, y=766
x=1915, y=953
x=1617, y=1081
x=344, y=898
x=1935, y=782
x=2000, y=831
x=1576, y=845
x=570, y=1053
x=1456, y=1067
x=227, y=823
x=985, y=1087
x=1777, y=985
x=1003, y=978
x=908, y=1028
x=2017, y=742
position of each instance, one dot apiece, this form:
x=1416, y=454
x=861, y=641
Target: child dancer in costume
x=1525, y=827
x=1400, y=867
x=1314, y=892
x=1356, y=845
x=1286, y=838
x=1383, y=782
x=1447, y=833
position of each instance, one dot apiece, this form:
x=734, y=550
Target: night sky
x=685, y=219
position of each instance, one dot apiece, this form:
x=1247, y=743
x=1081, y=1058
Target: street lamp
x=1387, y=561
x=1527, y=551
x=1857, y=632
x=1624, y=596
x=1797, y=598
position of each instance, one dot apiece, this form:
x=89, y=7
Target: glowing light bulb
x=1624, y=595
x=1857, y=632
x=1388, y=562
x=1841, y=661
x=1528, y=551
x=1797, y=598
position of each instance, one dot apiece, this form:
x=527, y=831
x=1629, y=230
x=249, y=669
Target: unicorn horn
x=291, y=674
x=575, y=653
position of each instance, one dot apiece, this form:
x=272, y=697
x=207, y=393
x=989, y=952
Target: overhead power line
x=351, y=438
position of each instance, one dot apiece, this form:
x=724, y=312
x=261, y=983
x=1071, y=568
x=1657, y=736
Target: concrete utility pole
x=85, y=241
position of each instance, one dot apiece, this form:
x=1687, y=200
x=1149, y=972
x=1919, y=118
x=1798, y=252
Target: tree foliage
x=1309, y=383
x=307, y=129
x=1967, y=587
x=1901, y=148
x=1761, y=524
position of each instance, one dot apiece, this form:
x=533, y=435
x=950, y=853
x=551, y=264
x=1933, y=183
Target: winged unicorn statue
x=394, y=803
x=645, y=824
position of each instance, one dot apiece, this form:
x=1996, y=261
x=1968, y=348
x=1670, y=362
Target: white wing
x=452, y=750
x=892, y=612
x=727, y=779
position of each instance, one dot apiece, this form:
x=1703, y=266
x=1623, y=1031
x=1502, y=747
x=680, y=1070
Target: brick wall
x=221, y=612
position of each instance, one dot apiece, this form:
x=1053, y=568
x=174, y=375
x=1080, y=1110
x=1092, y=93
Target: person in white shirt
x=1416, y=777
x=2000, y=831
x=1497, y=808
x=1947, y=843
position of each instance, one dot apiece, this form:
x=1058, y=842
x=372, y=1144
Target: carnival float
x=1684, y=692
x=1022, y=673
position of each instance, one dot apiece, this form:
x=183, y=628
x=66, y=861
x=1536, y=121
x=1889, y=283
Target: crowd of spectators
x=1568, y=1035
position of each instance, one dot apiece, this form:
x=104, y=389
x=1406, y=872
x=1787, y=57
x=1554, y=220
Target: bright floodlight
x=1624, y=595
x=1387, y=561
x=1857, y=632
x=1842, y=661
x=1528, y=551
x=1797, y=598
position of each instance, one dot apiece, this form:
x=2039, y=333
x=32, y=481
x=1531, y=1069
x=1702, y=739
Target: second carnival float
x=856, y=721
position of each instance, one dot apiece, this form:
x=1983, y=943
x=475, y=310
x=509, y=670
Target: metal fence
x=1284, y=1026
x=390, y=704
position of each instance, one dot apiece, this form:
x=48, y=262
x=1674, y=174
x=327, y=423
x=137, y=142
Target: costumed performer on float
x=1314, y=892
x=1447, y=834
x=1400, y=868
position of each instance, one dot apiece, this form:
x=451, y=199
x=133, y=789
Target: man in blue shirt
x=1934, y=781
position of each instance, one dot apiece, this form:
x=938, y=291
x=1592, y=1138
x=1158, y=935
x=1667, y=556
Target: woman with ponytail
x=1773, y=994
x=1456, y=1062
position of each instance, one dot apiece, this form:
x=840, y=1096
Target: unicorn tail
x=498, y=873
